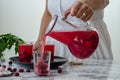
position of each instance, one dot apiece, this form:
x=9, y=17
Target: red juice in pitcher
x=81, y=43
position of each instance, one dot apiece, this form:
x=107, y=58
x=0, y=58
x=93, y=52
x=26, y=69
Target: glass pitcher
x=82, y=40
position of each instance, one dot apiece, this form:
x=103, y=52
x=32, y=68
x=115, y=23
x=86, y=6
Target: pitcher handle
x=53, y=24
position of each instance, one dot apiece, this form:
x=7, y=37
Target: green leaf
x=7, y=41
x=3, y=45
x=1, y=55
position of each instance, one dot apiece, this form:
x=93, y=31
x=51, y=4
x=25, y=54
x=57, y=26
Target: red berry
x=4, y=66
x=21, y=70
x=59, y=71
x=41, y=65
x=28, y=70
x=9, y=68
x=43, y=72
x=10, y=62
x=16, y=74
x=14, y=69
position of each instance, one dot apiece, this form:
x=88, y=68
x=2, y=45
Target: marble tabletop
x=91, y=69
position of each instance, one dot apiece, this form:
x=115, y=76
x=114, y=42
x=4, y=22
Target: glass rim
x=46, y=51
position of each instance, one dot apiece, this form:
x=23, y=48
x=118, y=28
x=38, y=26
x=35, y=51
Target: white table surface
x=91, y=69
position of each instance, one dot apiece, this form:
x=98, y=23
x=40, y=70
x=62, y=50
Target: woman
x=87, y=10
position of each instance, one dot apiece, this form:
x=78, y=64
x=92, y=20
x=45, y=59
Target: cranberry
x=17, y=74
x=9, y=68
x=28, y=70
x=59, y=70
x=41, y=65
x=14, y=69
x=4, y=66
x=10, y=62
x=43, y=72
x=21, y=70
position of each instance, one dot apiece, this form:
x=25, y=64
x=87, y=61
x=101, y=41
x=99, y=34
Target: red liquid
x=50, y=47
x=41, y=68
x=25, y=52
x=81, y=43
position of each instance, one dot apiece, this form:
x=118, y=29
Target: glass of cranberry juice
x=25, y=52
x=42, y=66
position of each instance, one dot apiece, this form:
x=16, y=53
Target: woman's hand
x=36, y=45
x=80, y=10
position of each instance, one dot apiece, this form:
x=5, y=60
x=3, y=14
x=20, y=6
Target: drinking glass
x=42, y=66
x=25, y=52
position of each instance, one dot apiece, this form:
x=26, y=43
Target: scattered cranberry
x=21, y=70
x=14, y=70
x=59, y=71
x=17, y=74
x=10, y=62
x=9, y=68
x=4, y=66
x=28, y=70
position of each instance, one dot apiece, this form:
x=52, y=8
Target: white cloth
x=56, y=7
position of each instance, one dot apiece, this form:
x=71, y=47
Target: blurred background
x=23, y=17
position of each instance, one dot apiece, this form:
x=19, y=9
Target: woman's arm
x=44, y=23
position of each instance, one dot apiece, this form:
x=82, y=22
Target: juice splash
x=82, y=44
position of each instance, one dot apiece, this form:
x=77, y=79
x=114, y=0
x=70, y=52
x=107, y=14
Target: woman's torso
x=57, y=7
